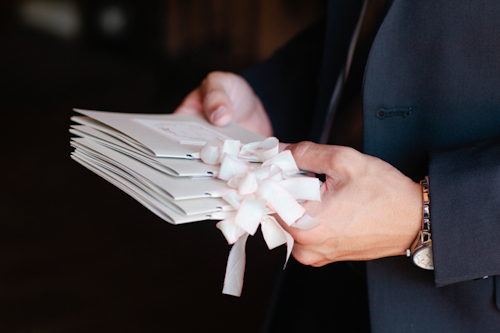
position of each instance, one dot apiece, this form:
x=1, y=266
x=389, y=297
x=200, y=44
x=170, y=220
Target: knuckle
x=214, y=75
x=212, y=95
x=217, y=76
x=215, y=86
x=345, y=154
x=348, y=161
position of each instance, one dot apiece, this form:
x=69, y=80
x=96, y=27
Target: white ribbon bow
x=257, y=192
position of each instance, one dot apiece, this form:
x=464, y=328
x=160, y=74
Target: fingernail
x=220, y=116
x=216, y=114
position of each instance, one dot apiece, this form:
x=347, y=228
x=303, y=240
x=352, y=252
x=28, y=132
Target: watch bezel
x=420, y=251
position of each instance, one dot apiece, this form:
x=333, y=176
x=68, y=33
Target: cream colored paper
x=156, y=142
x=173, y=166
x=177, y=188
x=162, y=211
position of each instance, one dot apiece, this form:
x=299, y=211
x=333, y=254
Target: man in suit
x=430, y=106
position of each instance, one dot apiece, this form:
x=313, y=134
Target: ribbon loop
x=280, y=201
x=231, y=231
x=303, y=188
x=232, y=166
x=263, y=150
x=211, y=151
x=285, y=161
x=248, y=183
x=250, y=213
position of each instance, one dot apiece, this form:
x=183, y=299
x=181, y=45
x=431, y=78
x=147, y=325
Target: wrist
x=413, y=218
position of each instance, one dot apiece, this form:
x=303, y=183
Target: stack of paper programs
x=184, y=169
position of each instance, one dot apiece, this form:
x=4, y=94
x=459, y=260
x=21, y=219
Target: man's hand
x=368, y=208
x=224, y=97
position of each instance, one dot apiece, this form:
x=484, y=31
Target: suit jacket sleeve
x=465, y=211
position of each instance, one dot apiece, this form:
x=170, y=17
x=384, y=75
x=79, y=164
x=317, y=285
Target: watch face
x=423, y=258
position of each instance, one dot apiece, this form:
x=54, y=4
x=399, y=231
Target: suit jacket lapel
x=343, y=23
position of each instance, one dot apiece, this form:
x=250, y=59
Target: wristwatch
x=421, y=249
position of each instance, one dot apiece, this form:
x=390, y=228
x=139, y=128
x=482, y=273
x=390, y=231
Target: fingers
x=307, y=246
x=211, y=98
x=307, y=242
x=225, y=97
x=215, y=97
x=307, y=257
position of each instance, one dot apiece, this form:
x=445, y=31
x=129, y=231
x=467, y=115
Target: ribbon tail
x=275, y=235
x=289, y=244
x=235, y=270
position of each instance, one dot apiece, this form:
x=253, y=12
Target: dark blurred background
x=77, y=254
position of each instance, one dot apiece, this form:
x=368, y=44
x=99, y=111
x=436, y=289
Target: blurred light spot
x=59, y=18
x=113, y=20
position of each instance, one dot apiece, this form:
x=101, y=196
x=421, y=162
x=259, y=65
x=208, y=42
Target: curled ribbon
x=255, y=193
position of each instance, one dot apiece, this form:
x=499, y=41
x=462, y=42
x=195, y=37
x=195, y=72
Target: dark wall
x=77, y=254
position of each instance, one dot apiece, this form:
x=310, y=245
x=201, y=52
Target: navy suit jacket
x=431, y=105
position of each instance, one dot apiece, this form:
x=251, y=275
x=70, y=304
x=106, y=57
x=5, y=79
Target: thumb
x=310, y=156
x=324, y=159
x=217, y=105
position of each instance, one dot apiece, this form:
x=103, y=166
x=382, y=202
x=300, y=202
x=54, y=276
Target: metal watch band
x=426, y=222
x=423, y=239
